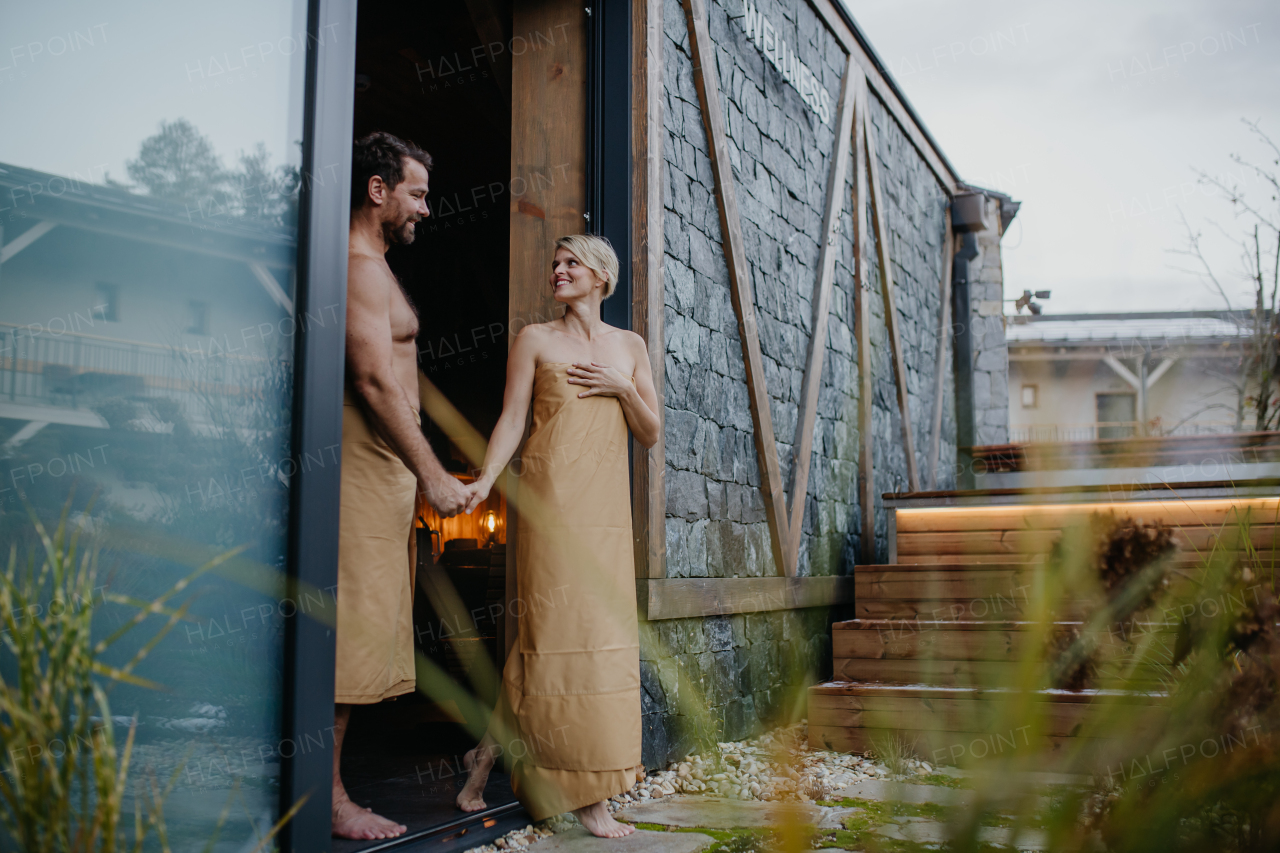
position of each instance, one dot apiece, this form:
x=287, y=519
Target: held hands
x=477, y=493
x=601, y=380
x=447, y=496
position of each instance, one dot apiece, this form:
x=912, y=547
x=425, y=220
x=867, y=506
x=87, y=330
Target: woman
x=569, y=711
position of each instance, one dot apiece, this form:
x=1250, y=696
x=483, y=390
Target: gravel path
x=778, y=766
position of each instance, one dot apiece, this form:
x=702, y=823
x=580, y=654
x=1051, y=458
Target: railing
x=1042, y=433
x=74, y=369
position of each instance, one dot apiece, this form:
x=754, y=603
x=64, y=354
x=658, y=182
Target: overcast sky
x=1094, y=114
x=233, y=69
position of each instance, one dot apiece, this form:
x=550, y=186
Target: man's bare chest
x=404, y=316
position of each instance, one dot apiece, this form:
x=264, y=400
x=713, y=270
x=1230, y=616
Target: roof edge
x=865, y=44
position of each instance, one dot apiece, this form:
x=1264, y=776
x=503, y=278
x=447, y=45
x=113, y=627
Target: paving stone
x=716, y=813
x=900, y=792
x=834, y=817
x=924, y=831
x=921, y=832
x=578, y=840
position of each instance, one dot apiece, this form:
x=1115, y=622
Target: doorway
x=496, y=92
x=438, y=74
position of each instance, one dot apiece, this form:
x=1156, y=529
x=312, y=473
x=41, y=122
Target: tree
x=1259, y=367
x=264, y=193
x=178, y=163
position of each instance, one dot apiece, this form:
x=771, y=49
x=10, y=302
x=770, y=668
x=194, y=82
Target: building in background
x=1151, y=397
x=1082, y=377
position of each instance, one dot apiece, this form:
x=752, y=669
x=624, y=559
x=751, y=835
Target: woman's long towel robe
x=571, y=686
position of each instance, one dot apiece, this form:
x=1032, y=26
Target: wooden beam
x=682, y=598
x=272, y=287
x=549, y=106
x=830, y=248
x=1123, y=372
x=862, y=335
x=25, y=239
x=944, y=334
x=649, y=495
x=890, y=308
x=704, y=78
x=914, y=132
x=1161, y=369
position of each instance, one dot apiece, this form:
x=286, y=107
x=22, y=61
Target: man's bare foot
x=478, y=762
x=600, y=823
x=361, y=824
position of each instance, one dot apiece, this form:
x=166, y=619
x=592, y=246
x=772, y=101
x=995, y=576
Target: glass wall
x=149, y=176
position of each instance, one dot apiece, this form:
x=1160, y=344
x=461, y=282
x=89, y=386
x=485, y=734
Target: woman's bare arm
x=521, y=364
x=639, y=399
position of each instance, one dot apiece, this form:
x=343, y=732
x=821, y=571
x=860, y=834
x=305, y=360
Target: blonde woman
x=569, y=711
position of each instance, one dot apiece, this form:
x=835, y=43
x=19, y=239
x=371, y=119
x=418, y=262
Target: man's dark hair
x=383, y=155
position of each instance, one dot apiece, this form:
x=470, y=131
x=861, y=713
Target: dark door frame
x=306, y=772
x=609, y=143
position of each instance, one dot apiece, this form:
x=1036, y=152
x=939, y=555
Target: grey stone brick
x=686, y=495
x=719, y=633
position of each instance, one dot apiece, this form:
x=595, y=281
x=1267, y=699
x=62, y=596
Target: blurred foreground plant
x=63, y=777
x=1177, y=749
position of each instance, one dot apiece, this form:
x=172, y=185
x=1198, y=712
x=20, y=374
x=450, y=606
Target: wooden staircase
x=940, y=686
x=941, y=637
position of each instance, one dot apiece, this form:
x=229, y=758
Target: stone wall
x=990, y=350
x=726, y=677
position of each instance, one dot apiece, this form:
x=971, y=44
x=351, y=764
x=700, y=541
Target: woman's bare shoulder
x=532, y=342
x=545, y=329
x=634, y=342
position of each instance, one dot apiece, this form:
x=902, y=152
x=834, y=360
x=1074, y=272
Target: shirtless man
x=386, y=461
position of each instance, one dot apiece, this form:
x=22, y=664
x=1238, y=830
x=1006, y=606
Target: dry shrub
x=1123, y=549
x=1130, y=559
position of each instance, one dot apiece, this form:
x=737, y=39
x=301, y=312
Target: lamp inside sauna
x=489, y=528
x=483, y=528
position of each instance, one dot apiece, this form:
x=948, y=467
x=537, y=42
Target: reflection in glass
x=147, y=243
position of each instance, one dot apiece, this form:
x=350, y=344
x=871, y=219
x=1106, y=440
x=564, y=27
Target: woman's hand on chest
x=600, y=380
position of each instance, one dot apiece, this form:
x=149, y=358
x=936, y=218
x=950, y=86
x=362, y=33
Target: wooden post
x=549, y=114
x=890, y=309
x=944, y=329
x=862, y=334
x=649, y=498
x=704, y=80
x=812, y=383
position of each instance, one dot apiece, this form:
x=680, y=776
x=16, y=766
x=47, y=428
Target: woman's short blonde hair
x=598, y=254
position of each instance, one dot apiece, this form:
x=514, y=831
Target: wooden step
x=946, y=724
x=1027, y=542
x=1200, y=512
x=979, y=674
x=1023, y=533
x=978, y=641
x=961, y=609
x=999, y=586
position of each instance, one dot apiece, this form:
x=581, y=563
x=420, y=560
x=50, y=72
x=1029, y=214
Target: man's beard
x=403, y=235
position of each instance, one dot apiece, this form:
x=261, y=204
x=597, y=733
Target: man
x=386, y=460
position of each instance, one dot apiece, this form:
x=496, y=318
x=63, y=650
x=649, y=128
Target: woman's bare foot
x=361, y=824
x=600, y=823
x=478, y=762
